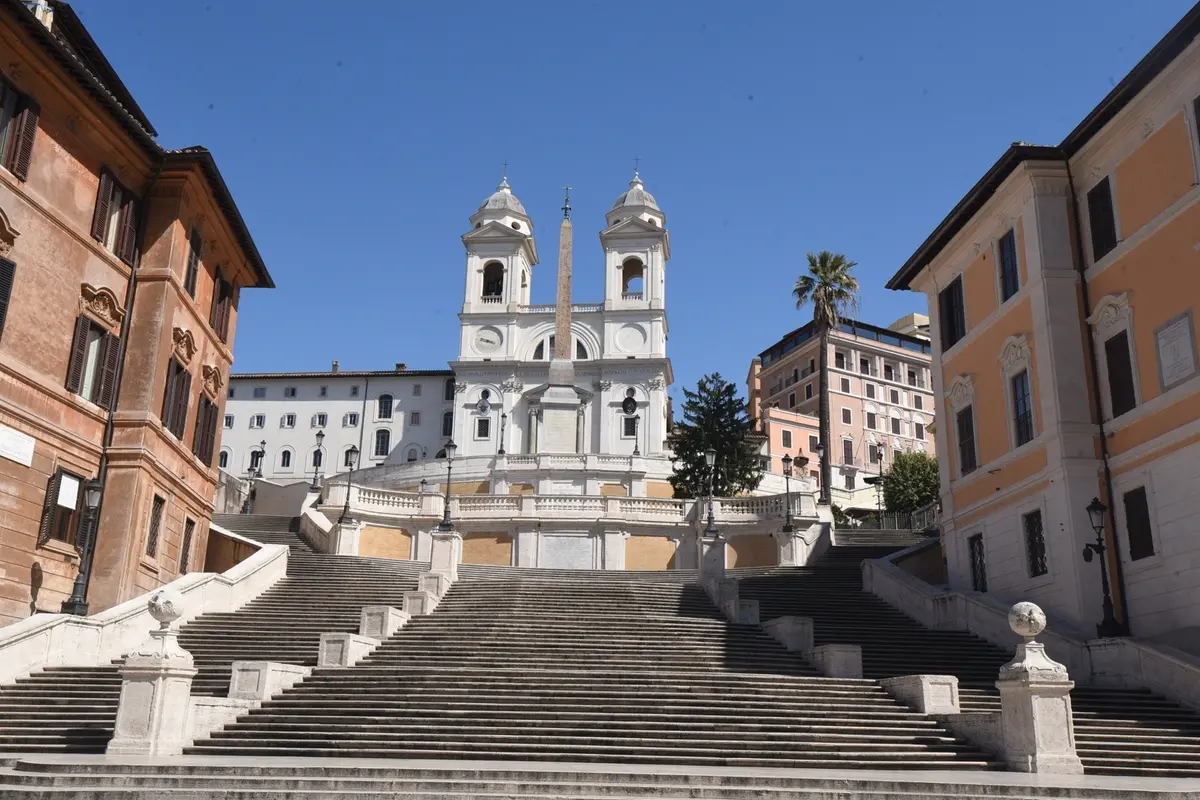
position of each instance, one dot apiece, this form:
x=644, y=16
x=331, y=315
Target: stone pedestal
x=711, y=557
x=794, y=633
x=344, y=649
x=614, y=547
x=436, y=582
x=262, y=680
x=1035, y=703
x=788, y=546
x=420, y=603
x=156, y=688
x=345, y=536
x=380, y=622
x=928, y=694
x=526, y=540
x=446, y=553
x=838, y=660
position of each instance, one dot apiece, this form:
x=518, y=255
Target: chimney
x=335, y=365
x=42, y=11
x=401, y=366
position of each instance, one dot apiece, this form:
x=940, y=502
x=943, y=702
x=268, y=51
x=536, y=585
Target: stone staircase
x=1118, y=731
x=73, y=709
x=535, y=666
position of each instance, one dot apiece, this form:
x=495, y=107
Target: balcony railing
x=577, y=308
x=631, y=295
x=492, y=298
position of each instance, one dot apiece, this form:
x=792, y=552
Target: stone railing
x=364, y=498
x=653, y=508
x=566, y=505
x=485, y=506
x=551, y=308
x=66, y=640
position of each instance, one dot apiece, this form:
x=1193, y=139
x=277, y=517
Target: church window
x=629, y=429
x=632, y=274
x=580, y=351
x=493, y=281
x=383, y=442
x=516, y=226
x=483, y=428
x=285, y=459
x=539, y=352
x=384, y=407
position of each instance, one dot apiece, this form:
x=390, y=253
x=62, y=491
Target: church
x=569, y=398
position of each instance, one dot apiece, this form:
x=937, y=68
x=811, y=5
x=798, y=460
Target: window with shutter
x=8, y=274
x=195, y=242
x=175, y=398
x=1010, y=280
x=47, y=527
x=103, y=198
x=60, y=510
x=109, y=361
x=18, y=130
x=185, y=552
x=126, y=245
x=953, y=322
x=1137, y=523
x=966, y=441
x=448, y=423
x=1121, y=390
x=1102, y=219
x=157, y=509
x=205, y=435
x=79, y=347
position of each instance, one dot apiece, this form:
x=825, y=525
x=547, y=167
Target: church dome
x=503, y=200
x=636, y=196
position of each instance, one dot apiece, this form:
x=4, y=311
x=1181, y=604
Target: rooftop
x=863, y=330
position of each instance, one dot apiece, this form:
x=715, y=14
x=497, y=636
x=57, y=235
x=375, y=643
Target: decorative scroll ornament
x=212, y=381
x=185, y=345
x=102, y=303
x=602, y=386
x=512, y=385
x=656, y=383
x=460, y=387
x=1014, y=354
x=961, y=393
x=1112, y=312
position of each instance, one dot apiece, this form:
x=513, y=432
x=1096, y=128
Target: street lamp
x=503, y=425
x=445, y=524
x=1096, y=512
x=800, y=462
x=637, y=418
x=823, y=495
x=317, y=461
x=351, y=459
x=262, y=456
x=710, y=459
x=77, y=602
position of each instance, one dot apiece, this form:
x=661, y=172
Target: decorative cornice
x=602, y=386
x=102, y=303
x=212, y=381
x=1113, y=311
x=1014, y=354
x=655, y=382
x=185, y=345
x=961, y=392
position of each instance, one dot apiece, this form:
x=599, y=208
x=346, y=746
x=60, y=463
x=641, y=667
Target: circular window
x=516, y=226
x=485, y=394
x=478, y=224
x=629, y=392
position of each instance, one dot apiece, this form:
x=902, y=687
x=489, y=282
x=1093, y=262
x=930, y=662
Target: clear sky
x=358, y=137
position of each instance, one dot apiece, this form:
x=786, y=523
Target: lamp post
x=637, y=418
x=710, y=459
x=77, y=602
x=787, y=494
x=351, y=460
x=446, y=524
x=503, y=425
x=262, y=456
x=318, y=459
x=1108, y=624
x=823, y=490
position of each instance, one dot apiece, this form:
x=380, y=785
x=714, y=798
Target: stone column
x=1035, y=702
x=526, y=542
x=156, y=688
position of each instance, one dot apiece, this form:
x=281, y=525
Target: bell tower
x=501, y=253
x=636, y=250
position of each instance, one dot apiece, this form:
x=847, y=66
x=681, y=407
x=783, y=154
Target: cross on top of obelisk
x=567, y=203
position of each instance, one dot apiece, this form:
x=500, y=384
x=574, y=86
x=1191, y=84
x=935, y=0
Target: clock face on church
x=487, y=340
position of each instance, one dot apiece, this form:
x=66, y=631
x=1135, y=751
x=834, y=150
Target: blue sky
x=358, y=138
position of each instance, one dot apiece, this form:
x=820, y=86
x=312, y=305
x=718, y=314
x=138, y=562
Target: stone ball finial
x=166, y=606
x=1027, y=620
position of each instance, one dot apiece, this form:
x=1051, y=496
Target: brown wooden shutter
x=22, y=148
x=215, y=307
x=168, y=395
x=185, y=554
x=127, y=238
x=8, y=273
x=83, y=327
x=109, y=360
x=181, y=403
x=47, y=526
x=103, y=198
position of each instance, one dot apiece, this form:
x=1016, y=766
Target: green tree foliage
x=714, y=416
x=911, y=483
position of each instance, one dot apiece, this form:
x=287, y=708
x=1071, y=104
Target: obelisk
x=560, y=402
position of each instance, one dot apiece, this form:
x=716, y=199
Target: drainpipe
x=78, y=602
x=1113, y=551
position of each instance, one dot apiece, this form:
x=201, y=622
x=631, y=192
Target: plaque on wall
x=16, y=446
x=1175, y=346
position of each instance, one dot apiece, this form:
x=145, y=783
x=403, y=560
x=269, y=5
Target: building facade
x=1062, y=290
x=880, y=401
x=120, y=269
x=401, y=411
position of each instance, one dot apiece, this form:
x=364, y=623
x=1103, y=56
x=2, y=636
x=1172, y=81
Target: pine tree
x=911, y=483
x=714, y=416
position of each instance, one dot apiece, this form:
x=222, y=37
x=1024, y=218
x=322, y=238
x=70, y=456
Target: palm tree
x=832, y=291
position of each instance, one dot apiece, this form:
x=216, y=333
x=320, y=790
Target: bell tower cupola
x=636, y=250
x=501, y=253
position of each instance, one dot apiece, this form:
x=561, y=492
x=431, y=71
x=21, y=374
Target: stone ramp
x=192, y=778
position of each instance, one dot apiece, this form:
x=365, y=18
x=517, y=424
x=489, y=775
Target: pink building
x=880, y=400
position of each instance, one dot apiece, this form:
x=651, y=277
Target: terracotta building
x=1063, y=290
x=880, y=401
x=120, y=268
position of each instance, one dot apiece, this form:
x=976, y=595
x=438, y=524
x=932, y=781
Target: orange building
x=120, y=267
x=1062, y=291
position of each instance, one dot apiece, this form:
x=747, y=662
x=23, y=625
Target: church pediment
x=634, y=225
x=535, y=394
x=496, y=233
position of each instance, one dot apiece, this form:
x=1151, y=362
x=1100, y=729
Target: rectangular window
x=875, y=453
x=864, y=366
x=185, y=553
x=8, y=273
x=157, y=508
x=320, y=420
x=847, y=451
x=895, y=397
x=350, y=420
x=871, y=391
x=912, y=378
x=918, y=402
x=629, y=427
x=966, y=441
x=1010, y=281
x=786, y=439
x=223, y=302
x=229, y=394
x=483, y=428
x=812, y=444
x=195, y=243
x=287, y=421
x=919, y=431
x=323, y=391
x=416, y=390
x=978, y=563
x=845, y=385
x=204, y=438
x=839, y=360
x=889, y=374
x=354, y=391
x=448, y=390
x=448, y=423
x=60, y=508
x=871, y=421
x=114, y=221
x=92, y=368
x=229, y=422
x=260, y=392
x=895, y=454
x=1137, y=522
x=1022, y=408
x=849, y=481
x=258, y=421
x=18, y=130
x=176, y=398
x=791, y=400
x=1120, y=374
x=1035, y=543
x=896, y=426
x=414, y=418
x=1102, y=220
x=846, y=417
x=808, y=391
x=953, y=320
x=289, y=392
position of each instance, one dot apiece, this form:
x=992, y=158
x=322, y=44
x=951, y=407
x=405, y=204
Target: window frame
x=847, y=417
x=844, y=385
x=261, y=419
x=1113, y=314
x=228, y=422
x=288, y=454
x=1114, y=217
x=1041, y=549
x=52, y=519
x=1016, y=413
x=484, y=424
x=447, y=417
x=154, y=526
x=962, y=471
x=414, y=419
x=1128, y=484
x=387, y=439
x=385, y=407
x=951, y=336
x=1003, y=276
x=977, y=566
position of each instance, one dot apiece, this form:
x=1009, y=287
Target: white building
x=401, y=411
